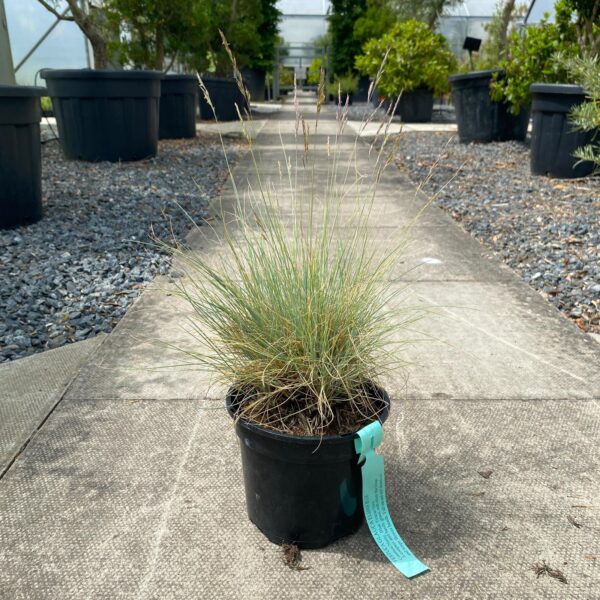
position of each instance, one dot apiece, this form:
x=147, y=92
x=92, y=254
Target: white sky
x=303, y=7
x=27, y=21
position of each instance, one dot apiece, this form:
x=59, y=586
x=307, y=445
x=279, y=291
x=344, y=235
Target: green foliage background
x=418, y=58
x=344, y=45
x=531, y=58
x=149, y=33
x=586, y=116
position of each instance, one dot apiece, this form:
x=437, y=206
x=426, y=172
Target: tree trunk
x=93, y=32
x=100, y=52
x=505, y=19
x=587, y=37
x=437, y=7
x=159, y=56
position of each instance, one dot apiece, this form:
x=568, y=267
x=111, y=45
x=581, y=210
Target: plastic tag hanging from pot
x=375, y=503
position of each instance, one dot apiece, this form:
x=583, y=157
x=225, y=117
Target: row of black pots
x=120, y=115
x=415, y=106
x=478, y=118
x=224, y=96
x=255, y=81
x=101, y=115
x=553, y=139
x=20, y=155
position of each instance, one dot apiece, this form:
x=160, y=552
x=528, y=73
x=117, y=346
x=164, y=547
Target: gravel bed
x=548, y=230
x=75, y=273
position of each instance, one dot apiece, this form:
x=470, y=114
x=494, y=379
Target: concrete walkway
x=132, y=488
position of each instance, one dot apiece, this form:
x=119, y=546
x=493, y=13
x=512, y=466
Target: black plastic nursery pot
x=553, y=138
x=415, y=106
x=362, y=93
x=301, y=490
x=224, y=94
x=104, y=114
x=20, y=155
x=478, y=117
x=255, y=82
x=178, y=104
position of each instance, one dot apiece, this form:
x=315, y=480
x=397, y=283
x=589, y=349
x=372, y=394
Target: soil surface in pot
x=545, y=229
x=282, y=413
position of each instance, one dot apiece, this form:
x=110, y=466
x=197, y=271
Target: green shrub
x=379, y=17
x=531, y=58
x=314, y=71
x=286, y=76
x=153, y=33
x=46, y=103
x=493, y=49
x=251, y=25
x=418, y=58
x=343, y=84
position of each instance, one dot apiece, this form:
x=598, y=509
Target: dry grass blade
x=542, y=568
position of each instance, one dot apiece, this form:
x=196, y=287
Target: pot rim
x=302, y=439
x=22, y=91
x=180, y=77
x=557, y=88
x=474, y=75
x=100, y=74
x=213, y=79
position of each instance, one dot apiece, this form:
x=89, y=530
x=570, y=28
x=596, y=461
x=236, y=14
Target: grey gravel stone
x=74, y=273
x=548, y=230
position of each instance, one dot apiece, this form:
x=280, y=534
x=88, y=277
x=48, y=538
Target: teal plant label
x=375, y=504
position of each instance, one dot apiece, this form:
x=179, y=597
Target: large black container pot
x=255, y=82
x=106, y=115
x=415, y=106
x=301, y=490
x=362, y=93
x=20, y=155
x=553, y=139
x=178, y=105
x=480, y=119
x=224, y=94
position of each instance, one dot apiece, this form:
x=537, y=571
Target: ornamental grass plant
x=343, y=85
x=298, y=313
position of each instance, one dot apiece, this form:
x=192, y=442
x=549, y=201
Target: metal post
x=276, y=76
x=7, y=73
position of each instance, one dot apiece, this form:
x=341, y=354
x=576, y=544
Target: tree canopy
x=153, y=33
x=344, y=45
